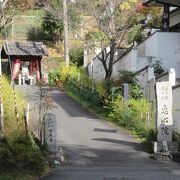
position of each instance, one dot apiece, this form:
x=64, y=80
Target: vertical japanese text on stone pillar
x=164, y=109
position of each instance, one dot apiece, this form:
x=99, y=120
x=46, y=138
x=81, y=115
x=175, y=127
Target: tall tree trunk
x=111, y=60
x=108, y=75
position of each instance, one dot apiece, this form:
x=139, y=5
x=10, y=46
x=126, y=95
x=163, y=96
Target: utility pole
x=66, y=36
x=1, y=103
x=1, y=89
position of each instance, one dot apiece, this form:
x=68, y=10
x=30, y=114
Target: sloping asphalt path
x=97, y=150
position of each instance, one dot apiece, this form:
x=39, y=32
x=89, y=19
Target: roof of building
x=14, y=48
x=175, y=3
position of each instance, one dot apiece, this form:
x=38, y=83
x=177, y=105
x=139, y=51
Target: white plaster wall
x=126, y=63
x=90, y=54
x=143, y=81
x=168, y=45
x=175, y=18
x=176, y=109
x=98, y=73
x=98, y=69
x=141, y=63
x=148, y=47
x=162, y=46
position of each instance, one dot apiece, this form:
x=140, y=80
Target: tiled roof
x=25, y=48
x=158, y=2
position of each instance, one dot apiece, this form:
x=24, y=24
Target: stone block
x=172, y=147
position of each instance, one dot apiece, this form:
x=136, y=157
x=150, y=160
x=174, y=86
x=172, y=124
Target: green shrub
x=135, y=34
x=77, y=56
x=54, y=77
x=18, y=151
x=21, y=153
x=68, y=72
x=134, y=87
x=131, y=114
x=151, y=136
x=158, y=68
x=80, y=85
x=10, y=120
x=52, y=28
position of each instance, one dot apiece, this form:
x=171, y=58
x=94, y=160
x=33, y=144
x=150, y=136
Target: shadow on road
x=134, y=145
x=82, y=156
x=68, y=104
x=105, y=130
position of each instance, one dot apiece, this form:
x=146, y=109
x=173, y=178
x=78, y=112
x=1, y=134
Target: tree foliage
x=10, y=8
x=112, y=23
x=158, y=68
x=114, y=20
x=135, y=34
x=77, y=56
x=52, y=27
x=53, y=23
x=55, y=8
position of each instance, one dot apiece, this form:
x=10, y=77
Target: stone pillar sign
x=172, y=77
x=164, y=110
x=126, y=91
x=50, y=131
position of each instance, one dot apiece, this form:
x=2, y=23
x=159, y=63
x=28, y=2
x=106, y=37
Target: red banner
x=31, y=68
x=16, y=68
x=37, y=70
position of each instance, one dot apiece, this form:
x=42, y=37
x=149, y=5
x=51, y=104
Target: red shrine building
x=24, y=60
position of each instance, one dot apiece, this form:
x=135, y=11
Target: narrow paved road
x=33, y=98
x=97, y=150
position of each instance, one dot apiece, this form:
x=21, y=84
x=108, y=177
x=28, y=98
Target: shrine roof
x=14, y=48
x=175, y=3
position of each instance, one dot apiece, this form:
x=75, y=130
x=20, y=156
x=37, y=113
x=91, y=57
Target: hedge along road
x=98, y=150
